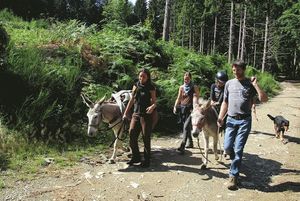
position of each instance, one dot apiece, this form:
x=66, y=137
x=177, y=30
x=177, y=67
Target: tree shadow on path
x=259, y=172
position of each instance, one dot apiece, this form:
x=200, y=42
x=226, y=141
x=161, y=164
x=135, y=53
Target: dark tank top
x=142, y=97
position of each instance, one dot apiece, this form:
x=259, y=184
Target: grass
x=2, y=184
x=28, y=158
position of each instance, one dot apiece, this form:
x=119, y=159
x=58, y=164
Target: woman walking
x=188, y=96
x=144, y=102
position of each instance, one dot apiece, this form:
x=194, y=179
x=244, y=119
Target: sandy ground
x=270, y=171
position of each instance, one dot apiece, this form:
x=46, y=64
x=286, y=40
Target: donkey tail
x=271, y=117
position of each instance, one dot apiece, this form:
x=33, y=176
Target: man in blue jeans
x=237, y=103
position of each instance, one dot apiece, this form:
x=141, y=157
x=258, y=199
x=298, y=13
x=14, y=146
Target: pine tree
x=118, y=10
x=140, y=10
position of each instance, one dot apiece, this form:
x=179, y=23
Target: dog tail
x=271, y=117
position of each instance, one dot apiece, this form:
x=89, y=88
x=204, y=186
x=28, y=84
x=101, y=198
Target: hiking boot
x=232, y=184
x=133, y=161
x=145, y=164
x=180, y=149
x=189, y=145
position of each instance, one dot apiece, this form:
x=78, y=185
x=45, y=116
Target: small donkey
x=204, y=117
x=108, y=112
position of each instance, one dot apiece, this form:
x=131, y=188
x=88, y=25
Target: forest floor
x=270, y=169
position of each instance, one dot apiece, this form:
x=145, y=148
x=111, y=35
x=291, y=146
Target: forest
x=51, y=51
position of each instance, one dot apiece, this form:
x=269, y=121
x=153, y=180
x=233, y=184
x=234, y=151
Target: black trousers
x=140, y=123
x=187, y=127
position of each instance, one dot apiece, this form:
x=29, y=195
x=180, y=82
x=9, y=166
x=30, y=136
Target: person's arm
x=254, y=108
x=177, y=100
x=262, y=96
x=130, y=103
x=223, y=112
x=224, y=107
x=220, y=101
x=212, y=95
x=196, y=96
x=150, y=109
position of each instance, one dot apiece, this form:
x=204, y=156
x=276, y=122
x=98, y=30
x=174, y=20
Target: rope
x=119, y=132
x=222, y=151
x=111, y=127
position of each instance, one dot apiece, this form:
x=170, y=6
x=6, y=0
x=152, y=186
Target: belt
x=240, y=116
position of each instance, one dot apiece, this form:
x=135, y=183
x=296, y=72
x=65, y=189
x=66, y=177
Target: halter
x=116, y=119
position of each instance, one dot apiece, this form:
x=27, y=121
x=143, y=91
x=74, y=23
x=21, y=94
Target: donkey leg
x=216, y=147
x=114, y=154
x=116, y=145
x=206, y=143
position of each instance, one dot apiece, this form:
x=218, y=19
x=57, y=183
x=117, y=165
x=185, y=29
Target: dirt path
x=271, y=170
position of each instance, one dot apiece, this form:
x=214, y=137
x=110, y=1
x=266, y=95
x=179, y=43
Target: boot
x=133, y=161
x=145, y=164
x=232, y=184
x=189, y=144
x=180, y=149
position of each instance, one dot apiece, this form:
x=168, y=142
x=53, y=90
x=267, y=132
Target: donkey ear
x=87, y=101
x=101, y=100
x=207, y=105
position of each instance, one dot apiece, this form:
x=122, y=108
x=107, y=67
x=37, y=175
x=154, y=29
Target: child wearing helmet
x=217, y=89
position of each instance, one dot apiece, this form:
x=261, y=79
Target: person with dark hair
x=217, y=90
x=237, y=103
x=144, y=102
x=187, y=97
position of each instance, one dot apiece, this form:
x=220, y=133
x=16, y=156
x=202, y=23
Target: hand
x=253, y=81
x=174, y=110
x=215, y=103
x=125, y=117
x=220, y=122
x=149, y=109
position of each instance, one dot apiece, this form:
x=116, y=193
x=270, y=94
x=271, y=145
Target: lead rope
x=218, y=131
x=222, y=151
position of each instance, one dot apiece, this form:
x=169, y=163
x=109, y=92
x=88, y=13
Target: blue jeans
x=236, y=135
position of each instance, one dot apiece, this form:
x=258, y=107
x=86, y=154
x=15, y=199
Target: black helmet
x=222, y=76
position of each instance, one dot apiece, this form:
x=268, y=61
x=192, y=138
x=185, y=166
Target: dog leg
x=281, y=136
x=276, y=131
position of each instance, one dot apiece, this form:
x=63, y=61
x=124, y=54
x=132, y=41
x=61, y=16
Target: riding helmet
x=222, y=76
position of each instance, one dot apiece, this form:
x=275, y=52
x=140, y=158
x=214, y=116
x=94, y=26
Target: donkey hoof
x=203, y=167
x=111, y=161
x=195, y=135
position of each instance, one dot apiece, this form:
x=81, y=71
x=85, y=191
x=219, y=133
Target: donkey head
x=94, y=114
x=198, y=115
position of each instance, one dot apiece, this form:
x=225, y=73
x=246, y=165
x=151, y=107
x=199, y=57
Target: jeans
x=236, y=135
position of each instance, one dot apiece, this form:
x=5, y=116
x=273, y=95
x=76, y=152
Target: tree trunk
x=265, y=45
x=202, y=48
x=295, y=63
x=215, y=35
x=190, y=34
x=183, y=32
x=230, y=32
x=201, y=40
x=244, y=34
x=166, y=27
x=240, y=36
x=254, y=45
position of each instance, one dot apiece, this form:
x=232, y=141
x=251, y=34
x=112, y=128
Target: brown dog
x=281, y=125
